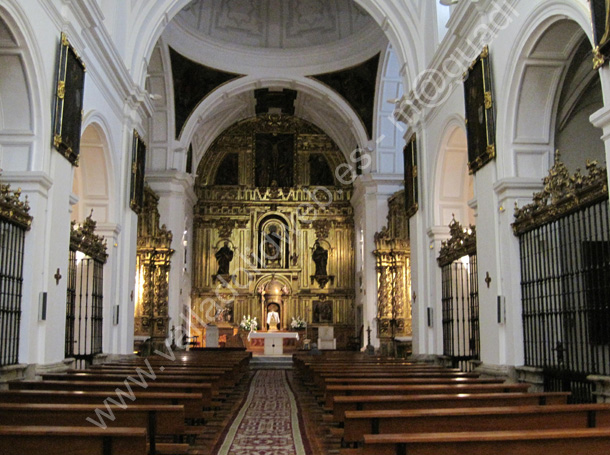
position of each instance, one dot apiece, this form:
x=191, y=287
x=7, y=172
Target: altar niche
x=274, y=243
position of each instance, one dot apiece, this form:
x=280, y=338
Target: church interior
x=262, y=219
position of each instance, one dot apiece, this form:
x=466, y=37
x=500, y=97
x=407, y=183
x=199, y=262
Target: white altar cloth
x=274, y=341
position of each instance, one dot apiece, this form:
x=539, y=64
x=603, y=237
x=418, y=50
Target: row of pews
x=386, y=406
x=157, y=405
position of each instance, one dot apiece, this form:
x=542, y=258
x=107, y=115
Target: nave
x=225, y=402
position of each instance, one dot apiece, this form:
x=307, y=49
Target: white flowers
x=248, y=323
x=298, y=323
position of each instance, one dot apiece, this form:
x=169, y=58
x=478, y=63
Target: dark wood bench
x=214, y=381
x=589, y=441
x=205, y=389
x=22, y=440
x=378, y=402
x=157, y=419
x=359, y=423
x=349, y=390
x=193, y=411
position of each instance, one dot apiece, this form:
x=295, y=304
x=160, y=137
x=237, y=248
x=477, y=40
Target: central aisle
x=269, y=421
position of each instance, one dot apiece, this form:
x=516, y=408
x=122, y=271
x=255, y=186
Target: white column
x=35, y=186
x=176, y=200
x=370, y=201
x=510, y=329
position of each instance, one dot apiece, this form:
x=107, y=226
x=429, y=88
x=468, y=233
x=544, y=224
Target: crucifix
x=57, y=276
x=487, y=279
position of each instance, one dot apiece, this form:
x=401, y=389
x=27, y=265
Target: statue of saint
x=320, y=258
x=224, y=256
x=272, y=247
x=273, y=319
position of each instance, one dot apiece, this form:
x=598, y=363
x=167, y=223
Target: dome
x=274, y=24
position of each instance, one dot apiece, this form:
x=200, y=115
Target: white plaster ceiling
x=274, y=24
x=261, y=36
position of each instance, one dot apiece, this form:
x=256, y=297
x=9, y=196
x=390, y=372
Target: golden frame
x=411, y=180
x=480, y=121
x=68, y=112
x=138, y=163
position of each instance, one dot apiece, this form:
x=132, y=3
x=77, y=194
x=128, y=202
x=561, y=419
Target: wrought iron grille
x=565, y=283
x=84, y=301
x=460, y=306
x=12, y=242
x=84, y=309
x=564, y=241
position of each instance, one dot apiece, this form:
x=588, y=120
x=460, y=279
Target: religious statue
x=320, y=258
x=273, y=318
x=272, y=247
x=224, y=256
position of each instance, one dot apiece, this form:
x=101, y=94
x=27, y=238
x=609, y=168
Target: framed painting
x=68, y=114
x=138, y=163
x=411, y=191
x=480, y=121
x=600, y=21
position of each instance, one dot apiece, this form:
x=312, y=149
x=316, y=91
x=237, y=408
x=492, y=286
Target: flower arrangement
x=298, y=323
x=248, y=323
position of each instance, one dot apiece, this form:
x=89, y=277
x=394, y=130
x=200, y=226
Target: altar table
x=274, y=341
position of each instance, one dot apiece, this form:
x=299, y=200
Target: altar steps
x=276, y=362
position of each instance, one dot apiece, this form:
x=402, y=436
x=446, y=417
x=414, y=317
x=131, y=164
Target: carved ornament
x=562, y=194
x=462, y=242
x=83, y=238
x=13, y=209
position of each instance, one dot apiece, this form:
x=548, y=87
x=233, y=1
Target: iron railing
x=12, y=240
x=460, y=307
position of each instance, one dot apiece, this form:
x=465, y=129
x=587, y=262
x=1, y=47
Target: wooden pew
x=160, y=378
x=205, y=389
x=189, y=401
x=21, y=440
x=584, y=441
x=359, y=423
x=377, y=402
x=158, y=420
x=348, y=390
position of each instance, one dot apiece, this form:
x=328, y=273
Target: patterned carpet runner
x=268, y=423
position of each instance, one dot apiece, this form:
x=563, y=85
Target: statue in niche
x=320, y=258
x=224, y=256
x=272, y=247
x=273, y=318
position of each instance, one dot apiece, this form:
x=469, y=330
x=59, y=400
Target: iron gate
x=84, y=303
x=565, y=281
x=14, y=222
x=460, y=297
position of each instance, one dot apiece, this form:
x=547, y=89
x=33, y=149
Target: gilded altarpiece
x=392, y=254
x=152, y=272
x=301, y=236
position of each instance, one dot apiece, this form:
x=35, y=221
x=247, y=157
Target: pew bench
x=359, y=423
x=370, y=390
x=158, y=420
x=583, y=441
x=20, y=440
x=193, y=411
x=343, y=404
x=205, y=389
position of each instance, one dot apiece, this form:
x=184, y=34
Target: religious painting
x=228, y=170
x=600, y=18
x=411, y=192
x=274, y=160
x=319, y=171
x=322, y=311
x=68, y=113
x=480, y=121
x=138, y=163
